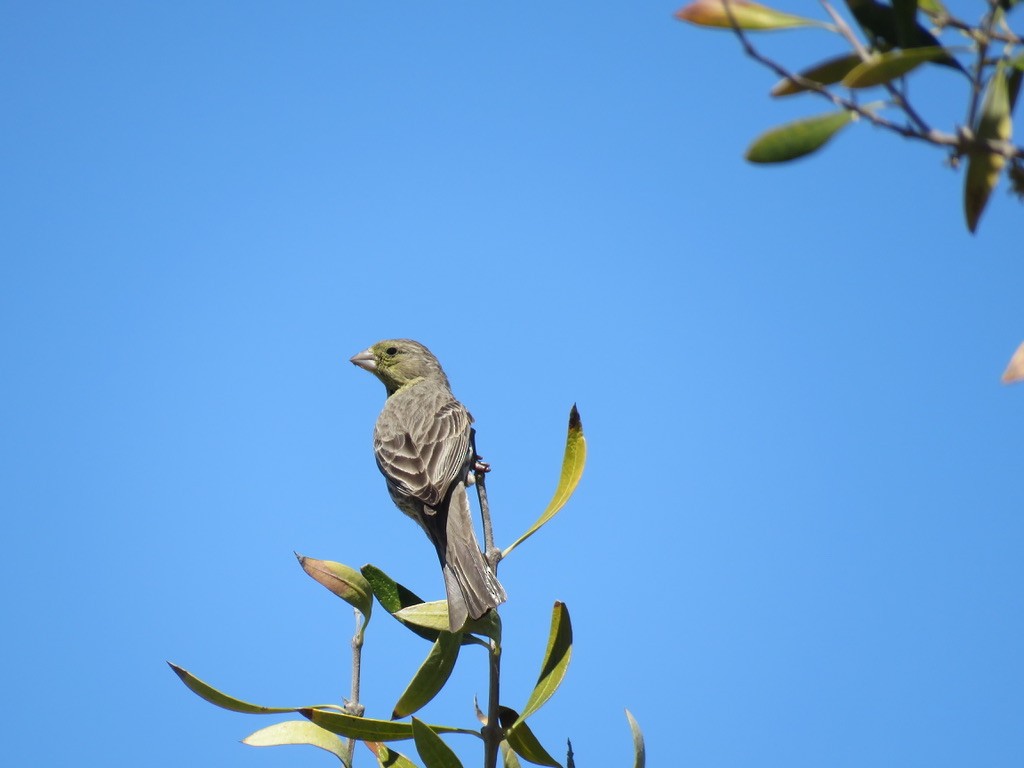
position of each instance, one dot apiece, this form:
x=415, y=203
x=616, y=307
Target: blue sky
x=797, y=542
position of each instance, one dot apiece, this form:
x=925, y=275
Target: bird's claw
x=481, y=466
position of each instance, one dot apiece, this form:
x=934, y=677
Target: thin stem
x=352, y=706
x=900, y=99
x=982, y=41
x=492, y=732
x=1007, y=36
x=491, y=552
x=845, y=31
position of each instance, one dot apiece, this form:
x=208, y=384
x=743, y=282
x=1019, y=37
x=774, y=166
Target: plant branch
x=959, y=144
x=352, y=706
x=981, y=39
x=491, y=552
x=492, y=731
x=898, y=97
x=1008, y=37
x=844, y=30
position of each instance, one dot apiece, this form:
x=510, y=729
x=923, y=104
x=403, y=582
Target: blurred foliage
x=895, y=40
x=336, y=728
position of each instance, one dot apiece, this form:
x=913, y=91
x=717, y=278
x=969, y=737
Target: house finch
x=424, y=448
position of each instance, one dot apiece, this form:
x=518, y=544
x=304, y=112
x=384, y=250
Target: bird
x=423, y=443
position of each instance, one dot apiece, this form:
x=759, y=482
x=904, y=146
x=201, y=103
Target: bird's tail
x=472, y=586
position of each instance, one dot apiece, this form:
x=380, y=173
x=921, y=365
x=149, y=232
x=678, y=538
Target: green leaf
x=639, y=751
x=393, y=597
x=297, y=732
x=984, y=168
x=932, y=7
x=387, y=757
x=431, y=676
x=212, y=695
x=433, y=617
x=1013, y=80
x=573, y=461
x=390, y=594
x=365, y=728
x=347, y=583
x=434, y=752
x=521, y=739
x=508, y=756
x=556, y=661
x=796, y=139
x=747, y=15
x=826, y=73
x=886, y=67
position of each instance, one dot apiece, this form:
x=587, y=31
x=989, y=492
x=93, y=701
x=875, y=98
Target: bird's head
x=398, y=362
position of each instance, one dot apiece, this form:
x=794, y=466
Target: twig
x=898, y=97
x=920, y=131
x=982, y=41
x=492, y=731
x=491, y=552
x=845, y=31
x=1008, y=37
x=352, y=706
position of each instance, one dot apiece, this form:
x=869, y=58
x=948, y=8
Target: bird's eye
x=392, y=350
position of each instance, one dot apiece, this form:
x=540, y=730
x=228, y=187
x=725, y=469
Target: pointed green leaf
x=1013, y=80
x=827, y=72
x=488, y=625
x=431, y=747
x=796, y=139
x=297, y=732
x=353, y=727
x=983, y=168
x=347, y=583
x=365, y=728
x=639, y=751
x=747, y=15
x=521, y=739
x=886, y=67
x=433, y=617
x=393, y=597
x=508, y=756
x=556, y=661
x=390, y=594
x=424, y=619
x=212, y=695
x=431, y=676
x=387, y=757
x=573, y=461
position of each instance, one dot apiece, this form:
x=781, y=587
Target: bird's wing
x=422, y=442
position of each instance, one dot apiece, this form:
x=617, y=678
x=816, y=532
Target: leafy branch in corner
x=895, y=43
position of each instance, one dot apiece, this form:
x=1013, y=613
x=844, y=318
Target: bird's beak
x=365, y=360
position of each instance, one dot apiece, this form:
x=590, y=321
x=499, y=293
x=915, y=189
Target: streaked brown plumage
x=423, y=444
